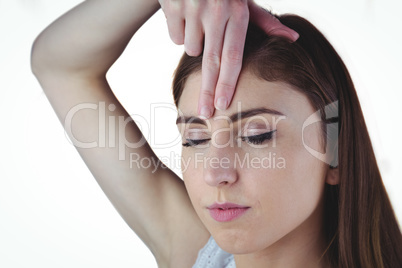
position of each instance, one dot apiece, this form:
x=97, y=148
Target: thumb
x=269, y=23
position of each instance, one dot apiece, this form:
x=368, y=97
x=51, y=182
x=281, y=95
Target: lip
x=226, y=212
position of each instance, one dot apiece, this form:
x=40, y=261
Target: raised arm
x=70, y=59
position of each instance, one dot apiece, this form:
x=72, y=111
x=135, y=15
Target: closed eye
x=255, y=139
x=190, y=142
x=258, y=139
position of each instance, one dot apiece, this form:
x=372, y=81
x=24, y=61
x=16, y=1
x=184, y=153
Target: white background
x=53, y=213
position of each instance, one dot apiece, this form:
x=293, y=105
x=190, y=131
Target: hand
x=220, y=27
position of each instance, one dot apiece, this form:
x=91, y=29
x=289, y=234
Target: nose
x=220, y=167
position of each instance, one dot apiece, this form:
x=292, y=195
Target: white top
x=212, y=256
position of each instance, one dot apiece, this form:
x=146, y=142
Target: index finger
x=211, y=62
x=232, y=58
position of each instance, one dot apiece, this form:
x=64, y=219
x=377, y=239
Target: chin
x=237, y=242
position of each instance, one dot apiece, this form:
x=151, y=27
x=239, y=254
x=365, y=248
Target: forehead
x=251, y=92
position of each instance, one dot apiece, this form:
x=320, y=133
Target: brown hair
x=360, y=225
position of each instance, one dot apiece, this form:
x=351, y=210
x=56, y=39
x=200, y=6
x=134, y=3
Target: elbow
x=38, y=65
x=43, y=59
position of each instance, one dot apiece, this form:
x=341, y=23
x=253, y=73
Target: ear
x=332, y=177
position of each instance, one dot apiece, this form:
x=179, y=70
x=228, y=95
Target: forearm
x=89, y=38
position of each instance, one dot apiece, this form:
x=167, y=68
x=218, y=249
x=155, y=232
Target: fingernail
x=205, y=112
x=221, y=103
x=289, y=34
x=295, y=35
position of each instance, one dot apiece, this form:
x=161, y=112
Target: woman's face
x=248, y=174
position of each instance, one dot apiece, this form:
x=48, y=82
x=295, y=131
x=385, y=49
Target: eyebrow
x=234, y=117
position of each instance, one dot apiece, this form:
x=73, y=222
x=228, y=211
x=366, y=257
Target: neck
x=303, y=247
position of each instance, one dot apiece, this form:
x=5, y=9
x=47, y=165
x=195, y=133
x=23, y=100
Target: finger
x=232, y=57
x=214, y=34
x=269, y=23
x=193, y=37
x=176, y=29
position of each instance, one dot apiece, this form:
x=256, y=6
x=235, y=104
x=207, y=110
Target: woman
x=306, y=210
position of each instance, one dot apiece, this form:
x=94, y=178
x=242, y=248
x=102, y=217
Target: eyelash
x=255, y=139
x=259, y=139
x=191, y=143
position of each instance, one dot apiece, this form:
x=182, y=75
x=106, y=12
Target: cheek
x=288, y=196
x=300, y=184
x=192, y=176
x=282, y=199
x=289, y=192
